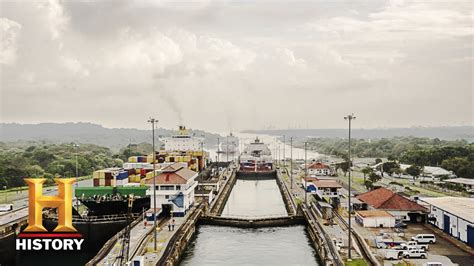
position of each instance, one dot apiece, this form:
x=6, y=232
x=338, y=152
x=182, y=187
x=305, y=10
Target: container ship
x=256, y=157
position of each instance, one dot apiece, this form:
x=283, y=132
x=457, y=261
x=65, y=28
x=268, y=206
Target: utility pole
x=77, y=171
x=284, y=142
x=218, y=152
x=153, y=121
x=305, y=175
x=291, y=162
x=350, y=118
x=227, y=148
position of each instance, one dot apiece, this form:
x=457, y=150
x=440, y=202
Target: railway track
x=366, y=256
x=139, y=246
x=337, y=260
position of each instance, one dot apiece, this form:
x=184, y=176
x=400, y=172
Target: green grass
x=356, y=262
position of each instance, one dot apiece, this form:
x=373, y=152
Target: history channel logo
x=35, y=236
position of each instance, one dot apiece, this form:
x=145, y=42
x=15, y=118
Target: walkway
x=163, y=237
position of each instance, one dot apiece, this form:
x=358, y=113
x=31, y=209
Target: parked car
x=415, y=253
x=414, y=244
x=401, y=225
x=6, y=207
x=424, y=238
x=393, y=254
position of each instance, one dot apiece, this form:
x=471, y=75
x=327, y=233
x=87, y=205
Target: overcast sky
x=221, y=65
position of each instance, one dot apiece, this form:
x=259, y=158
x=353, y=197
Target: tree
x=378, y=160
x=367, y=171
x=461, y=166
x=373, y=178
x=389, y=167
x=34, y=171
x=391, y=158
x=414, y=171
x=344, y=166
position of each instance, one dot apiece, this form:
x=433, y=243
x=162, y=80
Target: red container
x=96, y=182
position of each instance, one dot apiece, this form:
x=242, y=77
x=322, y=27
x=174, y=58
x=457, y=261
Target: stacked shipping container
x=110, y=177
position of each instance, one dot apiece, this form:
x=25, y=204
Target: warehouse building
x=375, y=218
x=453, y=215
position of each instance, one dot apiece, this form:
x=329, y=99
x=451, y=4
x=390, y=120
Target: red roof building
x=395, y=204
x=173, y=174
x=321, y=169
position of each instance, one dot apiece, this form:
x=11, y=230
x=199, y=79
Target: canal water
x=253, y=197
x=214, y=245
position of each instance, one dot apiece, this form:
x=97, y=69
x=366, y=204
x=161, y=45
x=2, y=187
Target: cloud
x=74, y=66
x=9, y=33
x=57, y=19
x=217, y=65
x=401, y=21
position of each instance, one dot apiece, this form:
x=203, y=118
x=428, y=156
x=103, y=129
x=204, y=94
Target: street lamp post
x=218, y=153
x=350, y=118
x=153, y=121
x=227, y=149
x=305, y=175
x=284, y=142
x=291, y=162
x=77, y=172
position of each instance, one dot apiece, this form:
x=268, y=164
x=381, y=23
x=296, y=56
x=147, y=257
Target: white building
x=174, y=189
x=431, y=171
x=453, y=215
x=324, y=188
x=375, y=218
x=467, y=183
x=320, y=169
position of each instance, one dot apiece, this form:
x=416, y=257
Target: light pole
x=218, y=151
x=202, y=155
x=284, y=142
x=291, y=162
x=6, y=194
x=305, y=174
x=77, y=173
x=350, y=118
x=75, y=145
x=153, y=121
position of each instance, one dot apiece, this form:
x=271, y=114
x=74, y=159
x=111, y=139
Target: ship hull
x=94, y=233
x=98, y=208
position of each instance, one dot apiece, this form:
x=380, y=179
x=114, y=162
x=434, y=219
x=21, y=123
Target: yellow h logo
x=63, y=201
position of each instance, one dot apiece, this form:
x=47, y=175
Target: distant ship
x=256, y=157
x=229, y=148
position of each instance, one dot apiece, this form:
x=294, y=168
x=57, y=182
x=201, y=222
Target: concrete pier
x=218, y=205
x=180, y=240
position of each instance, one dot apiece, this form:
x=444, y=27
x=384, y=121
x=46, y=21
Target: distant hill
x=113, y=138
x=448, y=133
